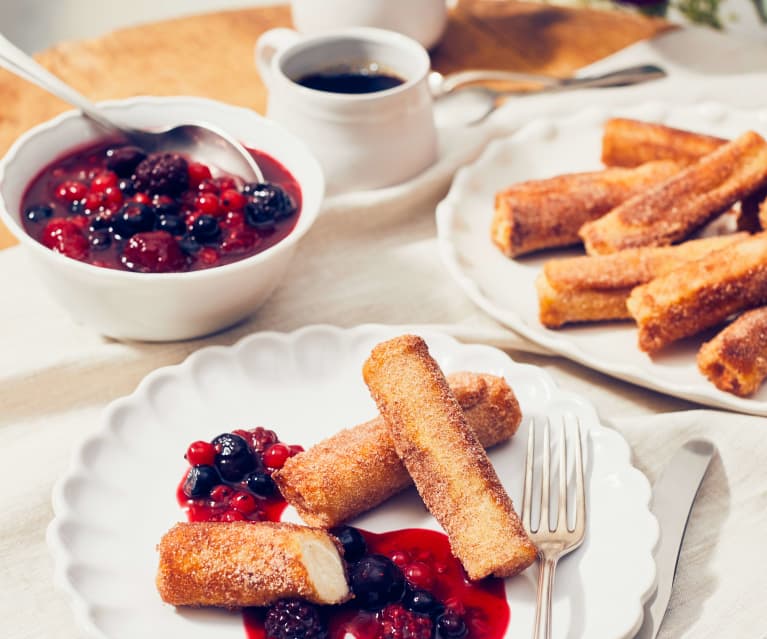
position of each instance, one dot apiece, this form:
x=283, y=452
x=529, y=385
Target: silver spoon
x=197, y=139
x=460, y=93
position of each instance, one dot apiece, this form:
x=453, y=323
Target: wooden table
x=212, y=55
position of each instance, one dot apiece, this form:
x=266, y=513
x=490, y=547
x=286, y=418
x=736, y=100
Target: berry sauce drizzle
x=482, y=604
x=229, y=479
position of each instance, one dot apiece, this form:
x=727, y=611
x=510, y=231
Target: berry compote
x=406, y=583
x=116, y=206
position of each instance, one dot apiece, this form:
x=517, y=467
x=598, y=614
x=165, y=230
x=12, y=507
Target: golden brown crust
x=236, y=564
x=446, y=461
x=671, y=211
x=356, y=469
x=549, y=213
x=627, y=142
x=595, y=288
x=701, y=294
x=736, y=359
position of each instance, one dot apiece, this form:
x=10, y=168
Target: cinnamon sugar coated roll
x=238, y=564
x=449, y=467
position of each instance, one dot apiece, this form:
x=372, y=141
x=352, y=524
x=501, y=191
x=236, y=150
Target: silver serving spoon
x=470, y=103
x=196, y=139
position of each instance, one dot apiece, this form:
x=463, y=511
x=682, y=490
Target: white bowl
x=159, y=306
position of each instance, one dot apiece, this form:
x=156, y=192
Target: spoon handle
x=18, y=62
x=622, y=77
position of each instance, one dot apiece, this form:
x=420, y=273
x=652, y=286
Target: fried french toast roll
x=627, y=142
x=673, y=210
x=357, y=468
x=449, y=467
x=548, y=213
x=595, y=288
x=735, y=360
x=701, y=294
x=243, y=563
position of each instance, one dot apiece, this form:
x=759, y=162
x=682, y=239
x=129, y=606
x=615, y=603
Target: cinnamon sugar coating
x=701, y=294
x=735, y=360
x=358, y=468
x=627, y=142
x=595, y=287
x=672, y=210
x=549, y=213
x=449, y=467
x=237, y=564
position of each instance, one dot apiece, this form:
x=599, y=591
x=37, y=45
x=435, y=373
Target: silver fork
x=553, y=544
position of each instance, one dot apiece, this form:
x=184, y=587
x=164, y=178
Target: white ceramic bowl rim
x=379, y=36
x=306, y=218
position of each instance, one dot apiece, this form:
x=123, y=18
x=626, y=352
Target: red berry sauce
x=422, y=556
x=114, y=206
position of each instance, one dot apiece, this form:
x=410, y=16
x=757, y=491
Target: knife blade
x=673, y=496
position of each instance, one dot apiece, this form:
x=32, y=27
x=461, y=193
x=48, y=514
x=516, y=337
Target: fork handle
x=543, y=609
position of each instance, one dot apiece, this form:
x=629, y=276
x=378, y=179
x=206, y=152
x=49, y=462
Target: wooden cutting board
x=211, y=55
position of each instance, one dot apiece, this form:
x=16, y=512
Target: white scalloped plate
x=505, y=288
x=118, y=497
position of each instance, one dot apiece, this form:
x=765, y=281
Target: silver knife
x=673, y=495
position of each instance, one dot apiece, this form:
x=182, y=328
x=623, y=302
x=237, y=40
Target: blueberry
x=258, y=217
x=99, y=239
x=166, y=207
x=132, y=218
x=171, y=223
x=261, y=483
x=233, y=457
x=126, y=186
x=376, y=582
x=38, y=212
x=189, y=245
x=200, y=480
x=99, y=223
x=77, y=206
x=205, y=229
x=422, y=602
x=124, y=160
x=450, y=626
x=352, y=541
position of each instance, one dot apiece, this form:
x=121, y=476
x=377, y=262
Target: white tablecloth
x=374, y=262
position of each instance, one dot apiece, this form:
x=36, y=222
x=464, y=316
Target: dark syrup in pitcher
x=366, y=79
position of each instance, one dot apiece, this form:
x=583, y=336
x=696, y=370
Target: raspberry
x=399, y=623
x=65, y=236
x=162, y=173
x=153, y=252
x=294, y=619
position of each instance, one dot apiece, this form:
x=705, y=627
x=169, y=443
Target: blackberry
x=233, y=457
x=261, y=483
x=38, y=212
x=124, y=160
x=132, y=218
x=162, y=174
x=294, y=619
x=352, y=541
x=376, y=582
x=266, y=204
x=199, y=481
